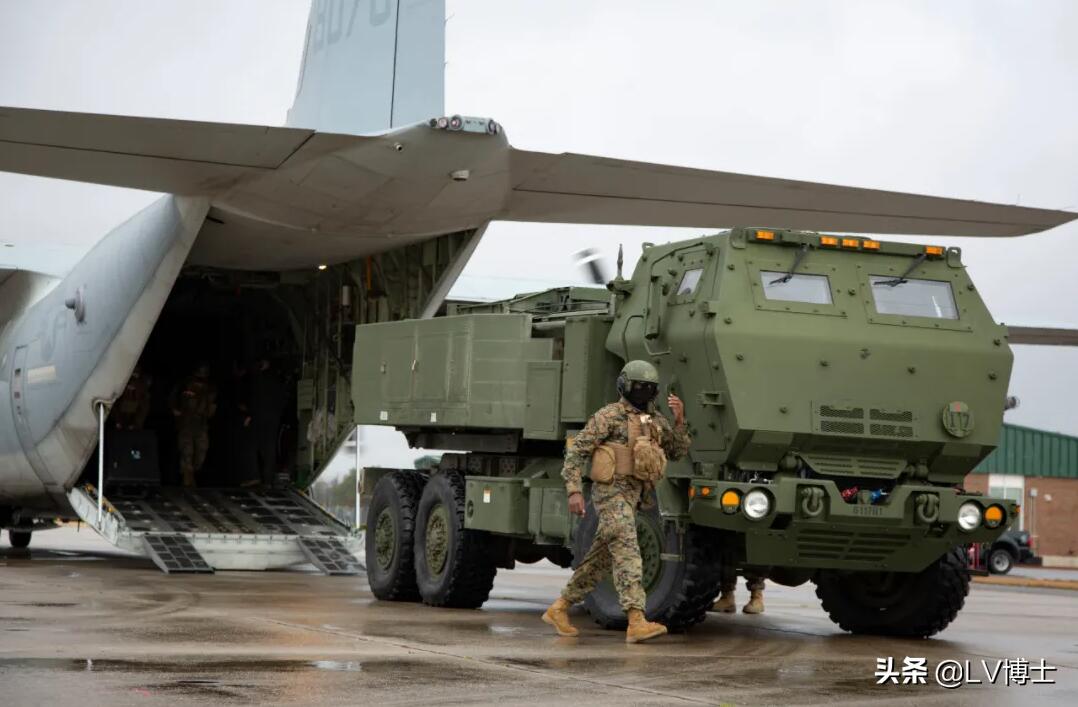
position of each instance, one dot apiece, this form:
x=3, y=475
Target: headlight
x=969, y=516
x=756, y=504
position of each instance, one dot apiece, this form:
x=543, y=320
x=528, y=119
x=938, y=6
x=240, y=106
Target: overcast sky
x=971, y=99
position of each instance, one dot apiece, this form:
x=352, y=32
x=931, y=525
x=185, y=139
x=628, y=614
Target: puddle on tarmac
x=432, y=670
x=344, y=666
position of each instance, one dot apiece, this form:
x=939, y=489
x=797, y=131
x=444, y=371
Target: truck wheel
x=679, y=593
x=452, y=566
x=907, y=604
x=1000, y=561
x=390, y=536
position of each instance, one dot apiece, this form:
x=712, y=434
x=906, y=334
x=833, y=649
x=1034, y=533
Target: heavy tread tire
x=929, y=602
x=19, y=539
x=684, y=597
x=1002, y=552
x=400, y=491
x=468, y=575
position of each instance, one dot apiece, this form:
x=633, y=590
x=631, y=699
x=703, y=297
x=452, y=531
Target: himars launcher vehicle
x=838, y=390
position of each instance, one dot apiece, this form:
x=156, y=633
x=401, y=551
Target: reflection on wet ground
x=119, y=632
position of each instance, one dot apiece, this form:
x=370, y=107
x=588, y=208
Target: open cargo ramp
x=200, y=530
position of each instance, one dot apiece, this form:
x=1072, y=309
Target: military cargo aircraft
x=271, y=244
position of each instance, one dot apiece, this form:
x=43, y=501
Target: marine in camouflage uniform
x=615, y=548
x=134, y=405
x=193, y=404
x=727, y=604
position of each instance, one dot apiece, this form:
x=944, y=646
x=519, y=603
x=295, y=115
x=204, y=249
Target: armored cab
x=837, y=389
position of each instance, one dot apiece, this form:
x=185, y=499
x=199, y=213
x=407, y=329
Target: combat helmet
x=638, y=383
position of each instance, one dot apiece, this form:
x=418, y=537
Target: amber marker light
x=765, y=235
x=829, y=241
x=705, y=490
x=850, y=242
x=993, y=516
x=692, y=492
x=870, y=245
x=730, y=500
x=936, y=250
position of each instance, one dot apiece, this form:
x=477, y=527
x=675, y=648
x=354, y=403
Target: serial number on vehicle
x=867, y=511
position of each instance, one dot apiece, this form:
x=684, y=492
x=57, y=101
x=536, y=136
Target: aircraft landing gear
x=19, y=538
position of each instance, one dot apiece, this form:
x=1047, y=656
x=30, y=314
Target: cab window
x=812, y=289
x=913, y=298
x=689, y=281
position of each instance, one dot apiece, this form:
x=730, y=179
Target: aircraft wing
x=155, y=154
x=280, y=180
x=571, y=188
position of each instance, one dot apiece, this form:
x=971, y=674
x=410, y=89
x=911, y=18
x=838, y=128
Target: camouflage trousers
x=614, y=550
x=193, y=442
x=753, y=582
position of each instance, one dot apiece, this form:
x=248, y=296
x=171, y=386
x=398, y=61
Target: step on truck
x=838, y=390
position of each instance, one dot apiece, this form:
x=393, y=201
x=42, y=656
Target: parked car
x=1013, y=547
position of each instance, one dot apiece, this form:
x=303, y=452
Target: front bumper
x=809, y=524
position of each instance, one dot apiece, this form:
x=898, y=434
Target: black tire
x=911, y=605
x=678, y=593
x=1001, y=561
x=390, y=536
x=19, y=539
x=452, y=565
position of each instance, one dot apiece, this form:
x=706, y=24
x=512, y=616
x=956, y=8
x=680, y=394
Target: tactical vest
x=642, y=458
x=195, y=399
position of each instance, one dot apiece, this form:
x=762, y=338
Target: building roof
x=1026, y=451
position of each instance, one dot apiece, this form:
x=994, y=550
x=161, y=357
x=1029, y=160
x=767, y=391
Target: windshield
x=914, y=298
x=813, y=289
x=689, y=281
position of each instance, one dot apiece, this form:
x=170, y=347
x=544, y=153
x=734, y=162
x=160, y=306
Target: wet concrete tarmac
x=81, y=623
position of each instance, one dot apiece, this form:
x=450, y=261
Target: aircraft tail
x=370, y=65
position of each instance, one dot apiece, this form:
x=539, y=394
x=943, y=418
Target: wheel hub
x=385, y=539
x=999, y=562
x=437, y=541
x=879, y=589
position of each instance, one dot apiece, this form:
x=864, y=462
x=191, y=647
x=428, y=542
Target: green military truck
x=838, y=390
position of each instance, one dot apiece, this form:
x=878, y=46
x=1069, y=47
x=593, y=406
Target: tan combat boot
x=640, y=629
x=726, y=604
x=558, y=617
x=756, y=602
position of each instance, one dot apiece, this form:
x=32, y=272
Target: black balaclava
x=641, y=393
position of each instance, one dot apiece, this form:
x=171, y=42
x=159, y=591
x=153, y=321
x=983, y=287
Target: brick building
x=1040, y=470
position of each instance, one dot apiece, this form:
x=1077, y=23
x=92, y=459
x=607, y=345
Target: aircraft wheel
x=679, y=593
x=908, y=604
x=452, y=566
x=19, y=538
x=390, y=536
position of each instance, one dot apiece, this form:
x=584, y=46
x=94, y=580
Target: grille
x=902, y=431
x=848, y=413
x=845, y=420
x=840, y=427
x=836, y=466
x=891, y=415
x=845, y=465
x=833, y=545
